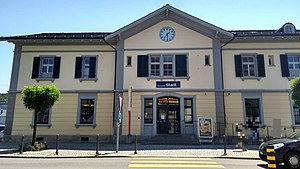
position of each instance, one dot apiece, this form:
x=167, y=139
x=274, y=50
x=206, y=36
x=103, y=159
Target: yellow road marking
x=185, y=159
x=173, y=166
x=271, y=165
x=174, y=162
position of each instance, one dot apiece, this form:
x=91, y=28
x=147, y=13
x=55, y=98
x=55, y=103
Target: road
x=129, y=163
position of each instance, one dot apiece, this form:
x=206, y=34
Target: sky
x=23, y=17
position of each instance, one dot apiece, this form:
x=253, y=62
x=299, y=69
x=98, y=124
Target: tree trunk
x=34, y=128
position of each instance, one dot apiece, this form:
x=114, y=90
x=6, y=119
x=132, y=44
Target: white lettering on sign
x=171, y=85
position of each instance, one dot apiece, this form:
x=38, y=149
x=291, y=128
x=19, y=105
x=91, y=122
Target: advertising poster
x=205, y=127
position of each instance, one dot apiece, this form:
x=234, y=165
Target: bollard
x=57, y=144
x=271, y=157
x=225, y=153
x=244, y=142
x=22, y=144
x=97, y=145
x=135, y=145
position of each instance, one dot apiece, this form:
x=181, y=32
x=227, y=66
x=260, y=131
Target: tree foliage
x=39, y=99
x=296, y=91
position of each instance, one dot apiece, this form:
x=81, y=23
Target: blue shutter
x=238, y=66
x=285, y=72
x=261, y=66
x=181, y=65
x=78, y=67
x=56, y=67
x=143, y=66
x=92, y=70
x=35, y=68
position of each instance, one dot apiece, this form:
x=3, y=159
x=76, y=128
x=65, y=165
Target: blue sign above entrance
x=168, y=84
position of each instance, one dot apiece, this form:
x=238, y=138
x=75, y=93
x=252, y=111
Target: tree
x=295, y=86
x=39, y=99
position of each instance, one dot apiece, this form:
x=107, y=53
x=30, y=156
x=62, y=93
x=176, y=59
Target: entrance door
x=168, y=115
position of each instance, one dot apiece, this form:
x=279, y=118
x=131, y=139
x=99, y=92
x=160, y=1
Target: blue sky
x=21, y=17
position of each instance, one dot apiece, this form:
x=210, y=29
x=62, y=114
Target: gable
x=184, y=38
x=170, y=13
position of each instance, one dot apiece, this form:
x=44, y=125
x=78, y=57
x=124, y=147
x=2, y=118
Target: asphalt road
x=128, y=163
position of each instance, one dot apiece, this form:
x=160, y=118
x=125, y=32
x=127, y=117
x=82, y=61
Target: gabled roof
x=170, y=13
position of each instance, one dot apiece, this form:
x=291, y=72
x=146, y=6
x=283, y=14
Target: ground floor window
x=148, y=110
x=253, y=115
x=188, y=110
x=296, y=115
x=87, y=108
x=43, y=117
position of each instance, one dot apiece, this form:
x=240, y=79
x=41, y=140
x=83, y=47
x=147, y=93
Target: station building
x=175, y=74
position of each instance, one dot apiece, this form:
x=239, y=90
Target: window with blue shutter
x=261, y=66
x=284, y=66
x=238, y=66
x=46, y=67
x=249, y=65
x=143, y=67
x=181, y=65
x=85, y=67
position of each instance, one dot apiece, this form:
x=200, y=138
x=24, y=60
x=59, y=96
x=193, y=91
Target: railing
x=234, y=131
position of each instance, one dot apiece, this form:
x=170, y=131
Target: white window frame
x=294, y=71
x=161, y=65
x=248, y=64
x=47, y=74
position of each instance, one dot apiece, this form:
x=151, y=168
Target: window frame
x=46, y=75
x=254, y=63
x=150, y=107
x=129, y=61
x=188, y=107
x=271, y=61
x=294, y=113
x=161, y=64
x=83, y=96
x=82, y=77
x=293, y=72
x=43, y=124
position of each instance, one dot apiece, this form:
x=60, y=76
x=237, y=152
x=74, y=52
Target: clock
x=167, y=34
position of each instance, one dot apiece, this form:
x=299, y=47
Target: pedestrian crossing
x=173, y=163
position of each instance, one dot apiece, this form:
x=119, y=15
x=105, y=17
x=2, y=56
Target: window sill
x=45, y=79
x=251, y=78
x=85, y=125
x=88, y=79
x=164, y=78
x=42, y=125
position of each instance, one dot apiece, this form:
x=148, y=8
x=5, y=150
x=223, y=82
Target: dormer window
x=289, y=28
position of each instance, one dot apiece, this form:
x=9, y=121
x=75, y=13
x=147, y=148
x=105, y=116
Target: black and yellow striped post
x=271, y=157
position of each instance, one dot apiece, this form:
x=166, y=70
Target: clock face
x=167, y=34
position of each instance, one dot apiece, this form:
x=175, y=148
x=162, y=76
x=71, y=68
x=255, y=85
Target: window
x=46, y=67
x=162, y=65
x=296, y=115
x=252, y=108
x=188, y=110
x=271, y=60
x=148, y=111
x=249, y=65
x=289, y=28
x=43, y=117
x=85, y=67
x=207, y=60
x=290, y=65
x=87, y=108
x=129, y=61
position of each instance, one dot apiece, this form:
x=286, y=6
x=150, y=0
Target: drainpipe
x=222, y=73
x=115, y=78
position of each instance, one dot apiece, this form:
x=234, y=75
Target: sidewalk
x=88, y=150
